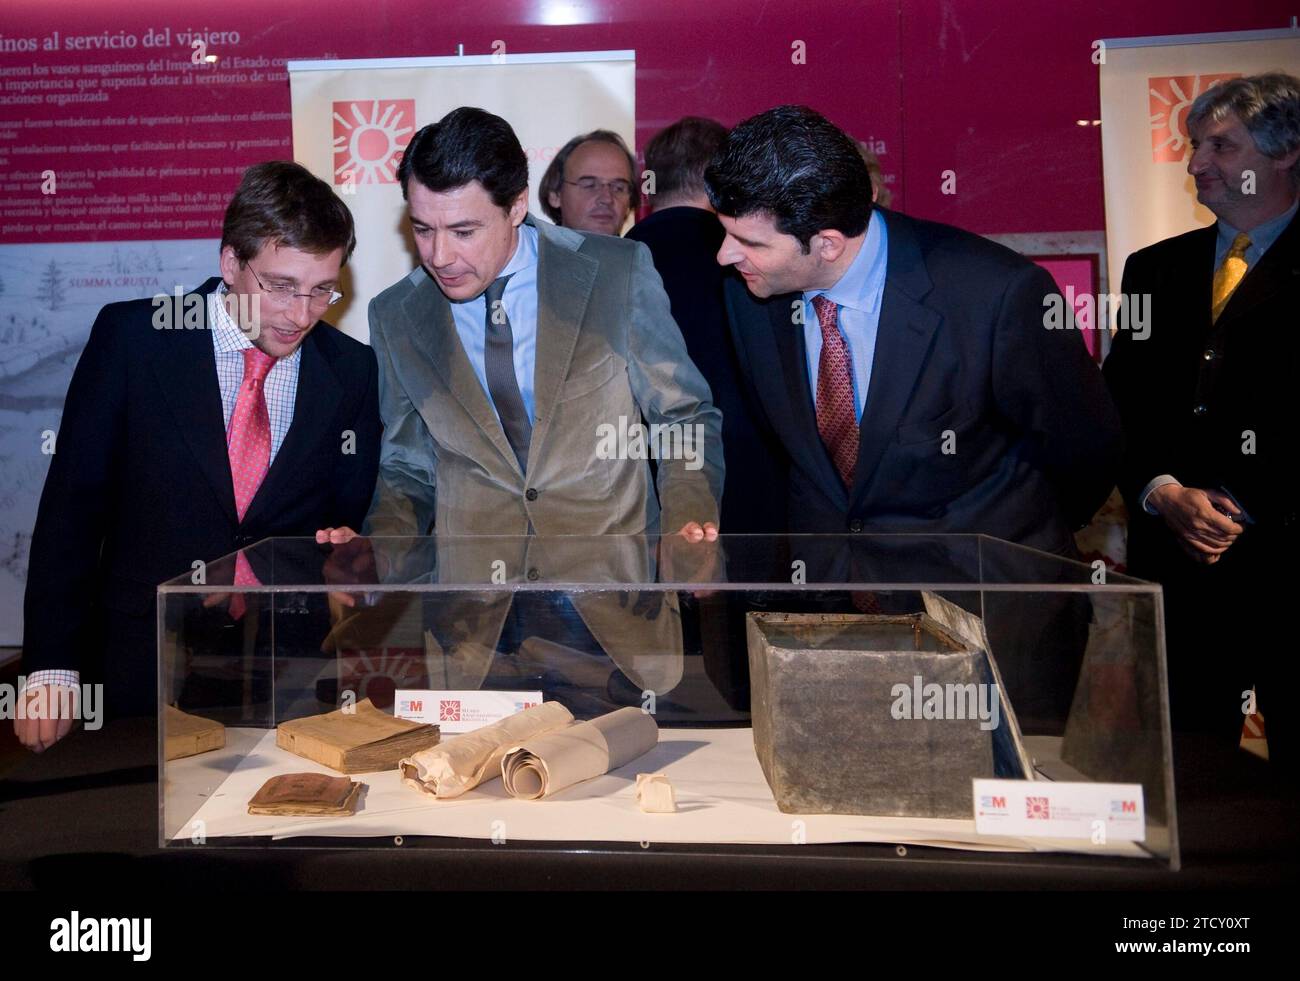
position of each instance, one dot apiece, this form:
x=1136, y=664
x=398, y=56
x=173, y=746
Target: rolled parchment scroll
x=463, y=762
x=548, y=763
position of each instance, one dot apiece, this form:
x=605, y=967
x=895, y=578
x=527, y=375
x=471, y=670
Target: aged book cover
x=307, y=794
x=356, y=739
x=190, y=735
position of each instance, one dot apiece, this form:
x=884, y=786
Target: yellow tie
x=1230, y=272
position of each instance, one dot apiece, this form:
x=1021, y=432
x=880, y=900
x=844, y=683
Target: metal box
x=886, y=715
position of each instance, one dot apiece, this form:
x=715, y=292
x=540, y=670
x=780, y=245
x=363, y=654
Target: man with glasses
x=193, y=427
x=590, y=184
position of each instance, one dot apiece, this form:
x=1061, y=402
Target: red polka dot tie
x=248, y=442
x=837, y=420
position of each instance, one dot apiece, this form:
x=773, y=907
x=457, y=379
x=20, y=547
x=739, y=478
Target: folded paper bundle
x=552, y=761
x=654, y=794
x=463, y=762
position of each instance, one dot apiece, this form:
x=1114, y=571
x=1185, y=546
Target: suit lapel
x=564, y=282
x=314, y=409
x=903, y=339
x=1197, y=290
x=434, y=333
x=186, y=370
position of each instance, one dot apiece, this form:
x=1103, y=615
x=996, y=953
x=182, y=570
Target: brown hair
x=554, y=176
x=285, y=204
x=678, y=155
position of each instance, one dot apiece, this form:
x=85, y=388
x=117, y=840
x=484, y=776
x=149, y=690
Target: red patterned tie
x=248, y=441
x=836, y=410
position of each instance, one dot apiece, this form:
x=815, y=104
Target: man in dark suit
x=1208, y=410
x=193, y=427
x=684, y=235
x=904, y=366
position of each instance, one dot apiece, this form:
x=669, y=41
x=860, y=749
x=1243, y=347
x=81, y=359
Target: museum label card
x=1098, y=812
x=461, y=711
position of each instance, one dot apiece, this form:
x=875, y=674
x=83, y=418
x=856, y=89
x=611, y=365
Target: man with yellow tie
x=1210, y=414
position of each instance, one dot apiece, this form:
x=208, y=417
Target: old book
x=356, y=739
x=307, y=795
x=189, y=735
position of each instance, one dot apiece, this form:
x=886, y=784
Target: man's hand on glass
x=691, y=556
x=693, y=531
x=351, y=562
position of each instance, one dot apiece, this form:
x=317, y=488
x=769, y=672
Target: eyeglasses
x=282, y=294
x=590, y=185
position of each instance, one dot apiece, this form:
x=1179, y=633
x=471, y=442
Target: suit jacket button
x=1209, y=355
x=855, y=525
x=531, y=493
x=534, y=575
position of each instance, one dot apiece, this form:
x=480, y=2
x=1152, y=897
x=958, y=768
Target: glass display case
x=803, y=690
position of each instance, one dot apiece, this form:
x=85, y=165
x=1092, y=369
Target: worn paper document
x=464, y=761
x=552, y=761
x=306, y=795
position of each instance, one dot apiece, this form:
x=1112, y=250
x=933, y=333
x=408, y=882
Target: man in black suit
x=193, y=427
x=684, y=235
x=904, y=366
x=1206, y=396
x=910, y=377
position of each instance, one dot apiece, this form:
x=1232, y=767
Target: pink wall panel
x=988, y=88
x=992, y=89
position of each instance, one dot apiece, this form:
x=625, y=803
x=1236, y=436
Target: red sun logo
x=1170, y=96
x=369, y=136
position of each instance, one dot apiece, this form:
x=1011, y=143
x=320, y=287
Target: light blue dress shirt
x=1261, y=237
x=858, y=295
x=520, y=300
